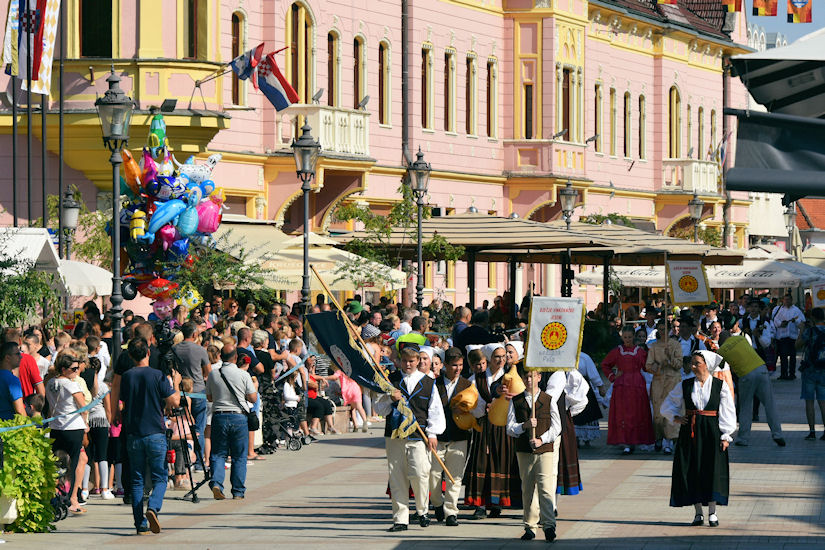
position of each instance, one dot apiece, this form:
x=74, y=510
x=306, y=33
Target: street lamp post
x=115, y=112
x=419, y=178
x=790, y=223
x=69, y=214
x=695, y=207
x=305, y=149
x=567, y=198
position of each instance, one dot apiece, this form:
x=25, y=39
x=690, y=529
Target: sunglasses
x=206, y=306
x=74, y=369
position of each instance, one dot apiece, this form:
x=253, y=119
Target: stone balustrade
x=690, y=176
x=339, y=130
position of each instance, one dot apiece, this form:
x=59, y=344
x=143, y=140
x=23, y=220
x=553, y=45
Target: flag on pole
x=29, y=18
x=673, y=2
x=275, y=87
x=42, y=66
x=765, y=7
x=799, y=11
x=332, y=333
x=732, y=5
x=244, y=65
x=11, y=37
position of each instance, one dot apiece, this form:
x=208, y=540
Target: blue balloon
x=179, y=249
x=165, y=213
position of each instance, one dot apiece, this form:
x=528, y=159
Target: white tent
x=82, y=279
x=30, y=244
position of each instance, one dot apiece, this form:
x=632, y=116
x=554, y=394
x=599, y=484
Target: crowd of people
x=672, y=379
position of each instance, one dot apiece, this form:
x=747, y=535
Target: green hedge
x=30, y=475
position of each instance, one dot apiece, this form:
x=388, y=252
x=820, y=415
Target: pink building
x=508, y=100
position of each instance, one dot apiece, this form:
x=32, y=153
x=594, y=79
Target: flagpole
x=62, y=37
x=29, y=109
x=14, y=146
x=377, y=366
x=223, y=70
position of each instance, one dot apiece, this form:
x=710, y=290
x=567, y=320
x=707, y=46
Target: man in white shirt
x=406, y=321
x=787, y=319
x=408, y=456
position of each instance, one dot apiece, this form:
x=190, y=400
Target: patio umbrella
x=82, y=279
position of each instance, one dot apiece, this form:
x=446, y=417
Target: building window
x=237, y=47
x=426, y=88
x=613, y=122
x=565, y=105
x=96, y=28
x=357, y=71
x=332, y=69
x=470, y=97
x=700, y=134
x=300, y=41
x=674, y=124
x=449, y=91
x=528, y=111
x=626, y=125
x=713, y=143
x=597, y=117
x=383, y=83
x=190, y=28
x=689, y=131
x=642, y=128
x=492, y=106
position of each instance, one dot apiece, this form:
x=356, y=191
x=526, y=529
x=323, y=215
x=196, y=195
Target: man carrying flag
x=274, y=86
x=244, y=65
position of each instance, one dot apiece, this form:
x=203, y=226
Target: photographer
x=145, y=392
x=194, y=364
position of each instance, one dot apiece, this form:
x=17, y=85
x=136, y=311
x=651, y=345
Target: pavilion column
x=511, y=263
x=471, y=277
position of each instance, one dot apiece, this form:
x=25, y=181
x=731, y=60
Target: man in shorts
x=812, y=341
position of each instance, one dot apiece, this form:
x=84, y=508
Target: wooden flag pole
x=377, y=366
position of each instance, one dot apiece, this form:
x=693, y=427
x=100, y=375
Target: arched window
x=613, y=122
x=642, y=128
x=333, y=54
x=674, y=124
x=383, y=83
x=492, y=98
x=627, y=135
x=713, y=129
x=449, y=91
x=299, y=27
x=358, y=83
x=689, y=113
x=470, y=96
x=597, y=117
x=700, y=134
x=237, y=49
x=427, y=88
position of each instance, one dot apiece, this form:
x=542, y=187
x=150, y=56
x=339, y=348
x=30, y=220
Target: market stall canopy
x=814, y=256
x=82, y=279
x=753, y=273
x=790, y=79
x=768, y=252
x=31, y=245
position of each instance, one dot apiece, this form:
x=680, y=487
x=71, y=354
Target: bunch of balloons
x=169, y=207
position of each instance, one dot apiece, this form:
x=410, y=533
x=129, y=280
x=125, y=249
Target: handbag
x=252, y=421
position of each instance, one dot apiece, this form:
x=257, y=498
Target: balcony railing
x=544, y=156
x=342, y=131
x=690, y=176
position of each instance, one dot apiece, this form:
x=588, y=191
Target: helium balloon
x=165, y=213
x=163, y=308
x=167, y=235
x=150, y=168
x=137, y=225
x=199, y=173
x=128, y=289
x=188, y=220
x=180, y=248
x=166, y=167
x=157, y=135
x=132, y=171
x=210, y=212
x=189, y=297
x=158, y=288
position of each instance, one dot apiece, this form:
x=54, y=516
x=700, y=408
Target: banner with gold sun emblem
x=554, y=336
x=818, y=295
x=688, y=283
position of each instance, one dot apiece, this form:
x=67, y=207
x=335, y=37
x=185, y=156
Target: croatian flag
x=26, y=21
x=244, y=65
x=275, y=87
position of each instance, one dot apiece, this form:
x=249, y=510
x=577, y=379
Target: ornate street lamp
x=419, y=178
x=567, y=198
x=305, y=149
x=69, y=215
x=695, y=207
x=790, y=223
x=115, y=112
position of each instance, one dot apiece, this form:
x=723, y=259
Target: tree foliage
x=708, y=235
x=90, y=242
x=617, y=219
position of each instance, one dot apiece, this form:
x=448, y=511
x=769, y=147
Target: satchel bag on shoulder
x=252, y=420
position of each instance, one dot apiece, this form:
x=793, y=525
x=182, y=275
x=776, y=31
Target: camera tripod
x=182, y=416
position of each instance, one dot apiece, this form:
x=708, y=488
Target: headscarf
x=490, y=348
x=518, y=346
x=471, y=347
x=440, y=353
x=712, y=360
x=428, y=350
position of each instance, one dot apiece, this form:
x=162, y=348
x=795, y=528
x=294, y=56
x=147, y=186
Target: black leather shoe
x=397, y=527
x=779, y=441
x=439, y=513
x=414, y=517
x=480, y=513
x=550, y=534
x=698, y=519
x=423, y=520
x=495, y=512
x=528, y=535
x=713, y=522
x=452, y=521
x=810, y=437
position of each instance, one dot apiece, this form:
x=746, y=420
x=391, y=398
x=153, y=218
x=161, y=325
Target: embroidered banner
x=554, y=336
x=688, y=283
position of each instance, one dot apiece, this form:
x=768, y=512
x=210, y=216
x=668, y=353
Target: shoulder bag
x=252, y=420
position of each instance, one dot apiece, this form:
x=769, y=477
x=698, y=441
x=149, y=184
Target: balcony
x=340, y=131
x=690, y=176
x=544, y=157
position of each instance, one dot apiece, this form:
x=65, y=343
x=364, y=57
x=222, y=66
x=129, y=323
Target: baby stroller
x=287, y=426
x=62, y=500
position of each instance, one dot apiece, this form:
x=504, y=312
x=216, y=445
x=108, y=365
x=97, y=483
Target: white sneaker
x=84, y=495
x=107, y=495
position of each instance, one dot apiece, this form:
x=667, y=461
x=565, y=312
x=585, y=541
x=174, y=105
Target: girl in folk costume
x=492, y=458
x=587, y=422
x=629, y=421
x=569, y=391
x=664, y=362
x=704, y=407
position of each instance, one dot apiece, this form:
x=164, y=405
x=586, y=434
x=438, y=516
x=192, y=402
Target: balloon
x=150, y=168
x=167, y=235
x=132, y=171
x=210, y=212
x=165, y=213
x=166, y=167
x=158, y=288
x=163, y=308
x=180, y=248
x=157, y=135
x=198, y=173
x=189, y=296
x=137, y=225
x=129, y=290
x=188, y=220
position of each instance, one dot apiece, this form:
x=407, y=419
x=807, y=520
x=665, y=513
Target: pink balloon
x=163, y=308
x=209, y=215
x=167, y=235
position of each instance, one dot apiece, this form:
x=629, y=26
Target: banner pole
x=667, y=291
x=375, y=364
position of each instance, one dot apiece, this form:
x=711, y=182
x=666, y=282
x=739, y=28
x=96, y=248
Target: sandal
x=79, y=512
x=256, y=457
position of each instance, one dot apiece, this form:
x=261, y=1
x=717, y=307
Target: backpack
x=816, y=348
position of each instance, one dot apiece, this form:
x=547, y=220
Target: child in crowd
x=93, y=348
x=99, y=423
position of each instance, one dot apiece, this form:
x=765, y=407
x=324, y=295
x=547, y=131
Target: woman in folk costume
x=704, y=407
x=587, y=422
x=664, y=362
x=492, y=455
x=569, y=391
x=629, y=421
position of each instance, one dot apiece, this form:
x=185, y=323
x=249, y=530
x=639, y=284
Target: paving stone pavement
x=332, y=494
